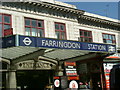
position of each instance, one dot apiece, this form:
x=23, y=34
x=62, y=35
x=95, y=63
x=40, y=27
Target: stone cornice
x=56, y=7
x=99, y=20
x=59, y=8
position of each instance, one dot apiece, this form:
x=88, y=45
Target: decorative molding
x=58, y=11
x=99, y=20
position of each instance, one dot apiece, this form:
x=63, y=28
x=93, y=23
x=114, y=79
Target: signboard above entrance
x=60, y=44
x=32, y=65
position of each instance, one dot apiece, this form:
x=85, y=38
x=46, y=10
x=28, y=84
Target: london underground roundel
x=73, y=84
x=57, y=83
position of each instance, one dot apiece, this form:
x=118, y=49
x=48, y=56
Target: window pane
x=89, y=34
x=27, y=22
x=106, y=36
x=90, y=40
x=34, y=23
x=34, y=32
x=27, y=31
x=81, y=34
x=0, y=18
x=62, y=27
x=104, y=41
x=57, y=26
x=81, y=39
x=113, y=37
x=57, y=35
x=0, y=30
x=110, y=37
x=7, y=19
x=62, y=35
x=86, y=39
x=85, y=33
x=109, y=41
x=6, y=26
x=40, y=33
x=40, y=24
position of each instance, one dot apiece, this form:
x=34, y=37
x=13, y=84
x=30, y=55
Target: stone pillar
x=11, y=80
x=59, y=70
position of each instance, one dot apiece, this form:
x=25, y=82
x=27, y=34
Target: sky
x=107, y=8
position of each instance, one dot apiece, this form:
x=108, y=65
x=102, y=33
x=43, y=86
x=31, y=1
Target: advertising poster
x=107, y=69
x=64, y=82
x=70, y=68
x=73, y=82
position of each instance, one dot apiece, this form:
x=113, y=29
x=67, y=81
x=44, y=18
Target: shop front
x=91, y=73
x=35, y=61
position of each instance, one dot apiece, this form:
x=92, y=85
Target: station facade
x=39, y=37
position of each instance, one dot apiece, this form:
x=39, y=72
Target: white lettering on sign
x=96, y=47
x=70, y=67
x=60, y=44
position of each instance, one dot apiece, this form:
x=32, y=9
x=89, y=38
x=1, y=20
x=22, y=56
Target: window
x=85, y=36
x=34, y=27
x=5, y=23
x=109, y=38
x=60, y=31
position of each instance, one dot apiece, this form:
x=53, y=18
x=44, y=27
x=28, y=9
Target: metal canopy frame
x=23, y=53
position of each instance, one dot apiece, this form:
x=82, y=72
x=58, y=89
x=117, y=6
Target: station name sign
x=60, y=44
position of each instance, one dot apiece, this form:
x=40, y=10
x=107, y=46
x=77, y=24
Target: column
x=59, y=70
x=11, y=80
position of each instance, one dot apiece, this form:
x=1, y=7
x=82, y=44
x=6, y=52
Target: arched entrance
x=34, y=75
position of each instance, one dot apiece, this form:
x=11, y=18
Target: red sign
x=56, y=77
x=70, y=63
x=8, y=32
x=73, y=77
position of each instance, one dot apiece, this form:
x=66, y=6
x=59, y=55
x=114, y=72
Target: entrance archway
x=33, y=74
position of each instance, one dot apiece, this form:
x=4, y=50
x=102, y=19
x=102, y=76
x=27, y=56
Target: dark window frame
x=105, y=39
x=3, y=22
x=60, y=30
x=84, y=37
x=35, y=27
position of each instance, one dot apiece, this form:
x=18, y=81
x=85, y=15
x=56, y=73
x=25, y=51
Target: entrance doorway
x=96, y=81
x=33, y=79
